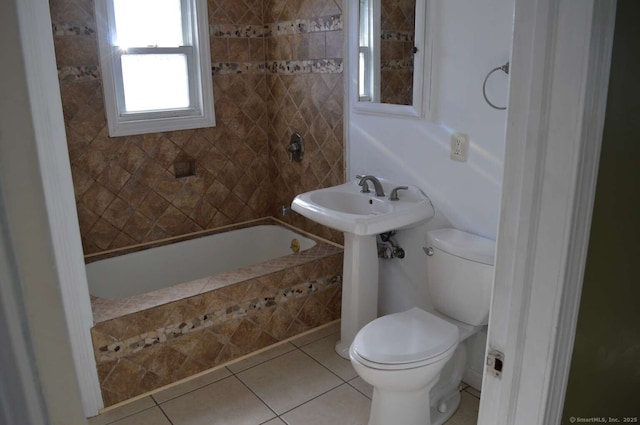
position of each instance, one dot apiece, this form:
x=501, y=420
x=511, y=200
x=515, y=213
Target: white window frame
x=369, y=50
x=200, y=112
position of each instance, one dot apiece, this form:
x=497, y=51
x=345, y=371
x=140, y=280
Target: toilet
x=415, y=359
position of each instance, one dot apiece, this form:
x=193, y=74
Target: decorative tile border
x=317, y=66
x=205, y=320
x=405, y=36
x=397, y=65
x=231, y=68
x=303, y=26
x=298, y=26
x=73, y=28
x=78, y=73
x=239, y=31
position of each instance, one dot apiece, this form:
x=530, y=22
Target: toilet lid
x=411, y=336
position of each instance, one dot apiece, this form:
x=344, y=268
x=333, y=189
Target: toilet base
x=452, y=403
x=400, y=407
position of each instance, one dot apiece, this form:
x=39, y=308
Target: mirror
x=391, y=56
x=388, y=54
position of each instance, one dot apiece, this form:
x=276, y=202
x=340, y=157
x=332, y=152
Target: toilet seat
x=405, y=340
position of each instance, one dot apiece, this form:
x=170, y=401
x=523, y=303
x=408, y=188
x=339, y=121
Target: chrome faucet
x=376, y=184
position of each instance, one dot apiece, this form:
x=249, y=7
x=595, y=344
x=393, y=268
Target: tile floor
x=301, y=382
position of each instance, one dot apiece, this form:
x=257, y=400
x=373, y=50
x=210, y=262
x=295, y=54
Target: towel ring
x=504, y=68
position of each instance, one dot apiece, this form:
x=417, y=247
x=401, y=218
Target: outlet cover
x=459, y=147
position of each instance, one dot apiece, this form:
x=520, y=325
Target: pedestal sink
x=362, y=216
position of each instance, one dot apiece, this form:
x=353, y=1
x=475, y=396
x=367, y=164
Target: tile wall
x=277, y=68
x=398, y=31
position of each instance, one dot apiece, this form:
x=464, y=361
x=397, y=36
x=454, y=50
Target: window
x=365, y=56
x=155, y=63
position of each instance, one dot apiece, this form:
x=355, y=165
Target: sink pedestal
x=359, y=288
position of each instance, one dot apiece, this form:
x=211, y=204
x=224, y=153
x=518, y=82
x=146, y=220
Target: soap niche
x=185, y=168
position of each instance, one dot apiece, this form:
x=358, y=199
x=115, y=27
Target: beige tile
x=324, y=352
x=262, y=357
x=225, y=402
x=343, y=405
x=360, y=385
x=288, y=381
x=472, y=391
x=122, y=411
x=276, y=421
x=152, y=416
x=467, y=413
x=192, y=384
x=316, y=335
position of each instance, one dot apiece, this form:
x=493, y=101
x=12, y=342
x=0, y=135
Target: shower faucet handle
x=296, y=147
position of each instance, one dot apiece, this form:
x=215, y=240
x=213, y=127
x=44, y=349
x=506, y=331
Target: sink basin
x=346, y=209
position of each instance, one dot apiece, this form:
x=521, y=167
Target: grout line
x=165, y=414
x=193, y=390
x=313, y=398
x=318, y=361
x=301, y=404
x=471, y=394
x=315, y=340
x=257, y=396
x=126, y=416
x=263, y=362
x=352, y=386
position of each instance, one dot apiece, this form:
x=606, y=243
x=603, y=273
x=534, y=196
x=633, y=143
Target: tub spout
x=285, y=210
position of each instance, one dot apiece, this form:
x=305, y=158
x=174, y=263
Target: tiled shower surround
x=276, y=69
x=147, y=341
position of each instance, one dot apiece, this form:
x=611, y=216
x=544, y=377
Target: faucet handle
x=394, y=193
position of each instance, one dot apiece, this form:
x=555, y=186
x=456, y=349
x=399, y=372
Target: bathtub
x=169, y=312
x=164, y=266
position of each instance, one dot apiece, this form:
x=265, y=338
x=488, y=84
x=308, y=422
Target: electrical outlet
x=459, y=147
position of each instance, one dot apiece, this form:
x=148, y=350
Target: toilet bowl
x=402, y=362
x=414, y=359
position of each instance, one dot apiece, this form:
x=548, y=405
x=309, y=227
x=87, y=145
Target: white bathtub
x=155, y=268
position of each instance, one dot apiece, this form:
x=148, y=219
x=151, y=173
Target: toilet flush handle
x=428, y=251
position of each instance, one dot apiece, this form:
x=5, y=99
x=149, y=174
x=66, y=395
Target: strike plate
x=495, y=363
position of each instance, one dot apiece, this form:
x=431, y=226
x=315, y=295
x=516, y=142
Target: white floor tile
x=360, y=385
x=289, y=380
x=276, y=421
x=261, y=357
x=316, y=335
x=191, y=385
x=122, y=411
x=343, y=405
x=467, y=413
x=473, y=392
x=226, y=402
x=153, y=416
x=324, y=351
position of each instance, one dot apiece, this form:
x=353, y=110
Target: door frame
x=560, y=64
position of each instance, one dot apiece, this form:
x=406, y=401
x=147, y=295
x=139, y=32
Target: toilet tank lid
x=463, y=244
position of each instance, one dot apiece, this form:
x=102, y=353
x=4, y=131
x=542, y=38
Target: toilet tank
x=460, y=274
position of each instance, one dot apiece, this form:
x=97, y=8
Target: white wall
x=470, y=39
